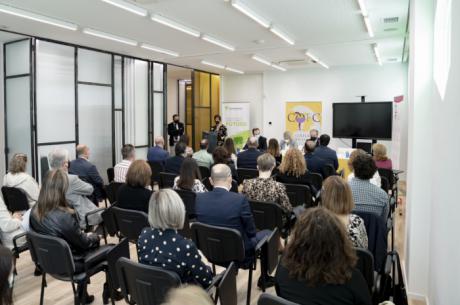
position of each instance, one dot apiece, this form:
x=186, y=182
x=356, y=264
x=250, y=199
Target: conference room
x=229, y=152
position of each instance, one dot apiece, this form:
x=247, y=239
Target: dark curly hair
x=364, y=166
x=319, y=251
x=220, y=155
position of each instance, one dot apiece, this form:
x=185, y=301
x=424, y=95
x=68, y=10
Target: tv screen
x=370, y=120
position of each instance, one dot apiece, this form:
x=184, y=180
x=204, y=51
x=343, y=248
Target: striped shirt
x=120, y=170
x=369, y=198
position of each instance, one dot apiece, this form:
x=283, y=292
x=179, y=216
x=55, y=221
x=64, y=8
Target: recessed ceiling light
x=282, y=35
x=175, y=25
x=109, y=36
x=36, y=17
x=128, y=7
x=159, y=50
x=218, y=42
x=250, y=13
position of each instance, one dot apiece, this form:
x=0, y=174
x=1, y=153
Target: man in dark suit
x=175, y=131
x=157, y=153
x=173, y=164
x=87, y=172
x=260, y=139
x=220, y=207
x=248, y=158
x=324, y=155
x=314, y=164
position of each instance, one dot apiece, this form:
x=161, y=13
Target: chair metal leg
x=42, y=290
x=248, y=298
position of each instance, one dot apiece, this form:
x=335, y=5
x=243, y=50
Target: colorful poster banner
x=301, y=117
x=235, y=115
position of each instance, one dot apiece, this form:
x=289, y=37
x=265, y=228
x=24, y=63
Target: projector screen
x=370, y=120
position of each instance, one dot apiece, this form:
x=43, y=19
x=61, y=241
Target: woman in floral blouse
x=220, y=129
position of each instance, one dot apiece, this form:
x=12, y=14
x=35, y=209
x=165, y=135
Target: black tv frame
x=364, y=138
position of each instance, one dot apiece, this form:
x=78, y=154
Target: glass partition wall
x=61, y=95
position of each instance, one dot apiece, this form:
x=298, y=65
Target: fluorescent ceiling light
x=250, y=13
x=261, y=60
x=218, y=42
x=234, y=70
x=128, y=7
x=109, y=36
x=317, y=60
x=282, y=35
x=312, y=56
x=377, y=53
x=159, y=50
x=35, y=17
x=362, y=7
x=367, y=22
x=175, y=25
x=278, y=67
x=204, y=62
x=323, y=64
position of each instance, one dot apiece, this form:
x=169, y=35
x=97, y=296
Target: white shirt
x=120, y=170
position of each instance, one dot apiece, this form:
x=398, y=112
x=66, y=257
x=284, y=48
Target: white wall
x=2, y=122
x=172, y=99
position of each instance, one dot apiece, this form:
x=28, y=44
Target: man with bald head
x=223, y=208
x=87, y=172
x=248, y=158
x=158, y=153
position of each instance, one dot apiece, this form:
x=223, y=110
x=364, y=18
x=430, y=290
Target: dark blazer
x=173, y=164
x=87, y=172
x=175, y=132
x=248, y=158
x=227, y=209
x=329, y=156
x=314, y=163
x=157, y=154
x=262, y=144
x=133, y=198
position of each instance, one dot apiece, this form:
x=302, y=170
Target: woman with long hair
x=6, y=276
x=274, y=150
x=189, y=178
x=229, y=145
x=221, y=156
x=319, y=264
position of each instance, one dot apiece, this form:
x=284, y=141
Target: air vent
x=390, y=29
x=391, y=20
x=393, y=59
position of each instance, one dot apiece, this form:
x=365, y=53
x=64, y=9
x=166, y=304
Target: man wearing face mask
x=260, y=139
x=314, y=136
x=175, y=131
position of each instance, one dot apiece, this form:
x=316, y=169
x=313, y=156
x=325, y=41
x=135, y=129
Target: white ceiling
x=331, y=29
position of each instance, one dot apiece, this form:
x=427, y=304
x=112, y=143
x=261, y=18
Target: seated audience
x=188, y=295
x=135, y=194
x=274, y=150
x=375, y=180
x=327, y=155
x=367, y=196
x=186, y=139
x=220, y=156
x=261, y=140
x=314, y=163
x=202, y=157
x=6, y=276
x=318, y=266
x=18, y=178
x=248, y=158
x=78, y=190
x=174, y=163
x=87, y=171
x=229, y=145
x=129, y=155
x=53, y=216
x=161, y=245
x=336, y=197
x=380, y=156
x=287, y=141
x=220, y=207
x=10, y=225
x=293, y=169
x=189, y=178
x=158, y=153
x=265, y=188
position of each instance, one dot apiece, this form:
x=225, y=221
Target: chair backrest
x=167, y=180
x=387, y=173
x=328, y=170
x=269, y=255
x=267, y=215
x=110, y=174
x=270, y=299
x=15, y=199
x=218, y=244
x=205, y=172
x=144, y=284
x=112, y=190
x=207, y=184
x=226, y=290
x=385, y=184
x=52, y=254
x=188, y=197
x=316, y=180
x=247, y=173
x=299, y=195
x=44, y=167
x=109, y=222
x=365, y=264
x=157, y=168
x=234, y=187
x=130, y=222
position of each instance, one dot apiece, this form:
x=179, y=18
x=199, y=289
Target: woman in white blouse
x=189, y=178
x=18, y=178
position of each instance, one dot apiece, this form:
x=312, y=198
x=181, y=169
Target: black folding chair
x=207, y=184
x=205, y=172
x=388, y=174
x=110, y=174
x=226, y=289
x=299, y=195
x=157, y=168
x=267, y=215
x=54, y=257
x=15, y=199
x=269, y=255
x=130, y=223
x=234, y=187
x=118, y=251
x=246, y=173
x=167, y=180
x=316, y=180
x=44, y=167
x=270, y=299
x=112, y=191
x=143, y=284
x=385, y=184
x=188, y=197
x=328, y=170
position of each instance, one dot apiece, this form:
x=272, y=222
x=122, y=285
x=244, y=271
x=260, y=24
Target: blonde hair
x=353, y=156
x=166, y=210
x=293, y=163
x=188, y=295
x=380, y=152
x=139, y=174
x=336, y=196
x=17, y=164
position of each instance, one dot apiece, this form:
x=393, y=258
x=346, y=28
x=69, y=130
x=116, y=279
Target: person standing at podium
x=220, y=129
x=175, y=131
